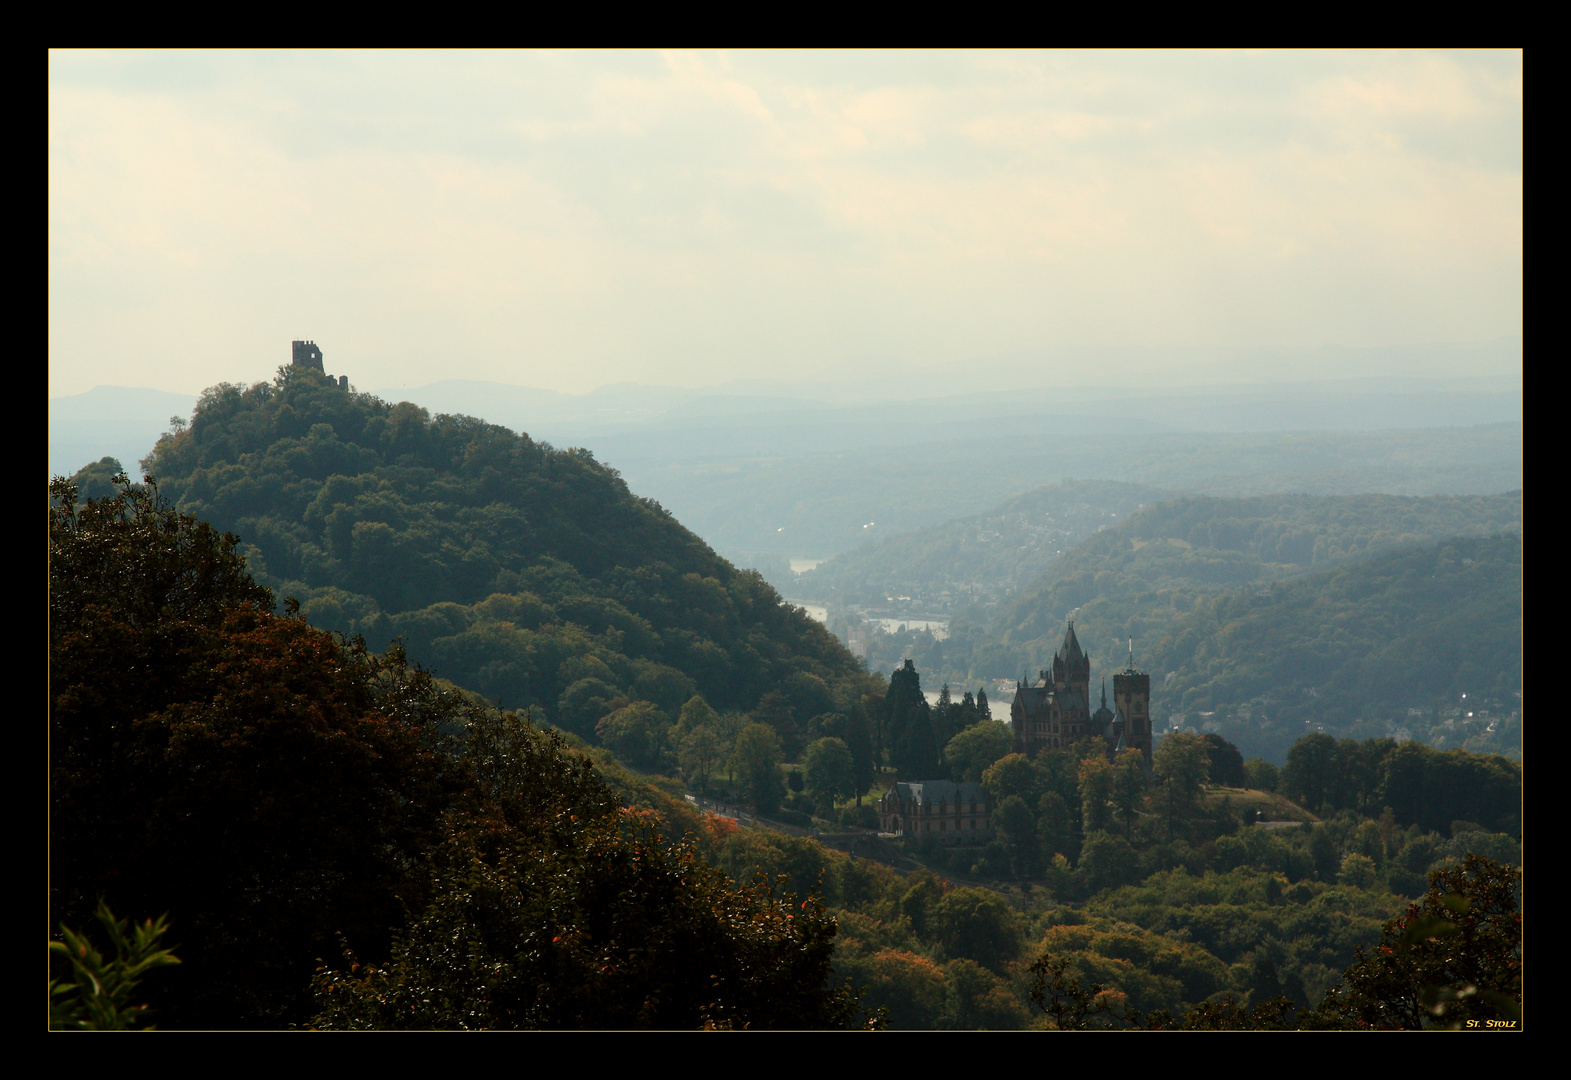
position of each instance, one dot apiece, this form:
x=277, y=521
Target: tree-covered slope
x=1135, y=578
x=1411, y=629
x=1220, y=544
x=521, y=571
x=293, y=804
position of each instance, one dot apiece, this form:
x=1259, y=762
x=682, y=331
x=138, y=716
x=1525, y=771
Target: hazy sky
x=567, y=220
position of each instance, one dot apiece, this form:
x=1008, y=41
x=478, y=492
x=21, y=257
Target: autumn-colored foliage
x=569, y=922
x=266, y=782
x=286, y=796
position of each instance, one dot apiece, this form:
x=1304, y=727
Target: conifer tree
x=861, y=747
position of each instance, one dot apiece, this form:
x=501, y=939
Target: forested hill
x=1134, y=578
x=517, y=570
x=1209, y=543
x=1434, y=629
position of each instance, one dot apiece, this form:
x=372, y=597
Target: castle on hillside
x=1055, y=710
x=306, y=354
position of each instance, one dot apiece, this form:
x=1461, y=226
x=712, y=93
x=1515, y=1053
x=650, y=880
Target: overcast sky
x=567, y=220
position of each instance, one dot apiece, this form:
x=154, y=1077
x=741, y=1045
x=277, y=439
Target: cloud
x=571, y=219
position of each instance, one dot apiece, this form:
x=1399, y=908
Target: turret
x=1132, y=700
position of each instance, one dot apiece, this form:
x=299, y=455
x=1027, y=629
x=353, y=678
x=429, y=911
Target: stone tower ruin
x=306, y=354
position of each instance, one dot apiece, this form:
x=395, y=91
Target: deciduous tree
x=1096, y=790
x=971, y=751
x=700, y=754
x=830, y=774
x=757, y=757
x=1453, y=960
x=1183, y=764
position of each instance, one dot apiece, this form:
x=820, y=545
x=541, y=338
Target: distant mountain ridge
x=980, y=558
x=121, y=422
x=1219, y=544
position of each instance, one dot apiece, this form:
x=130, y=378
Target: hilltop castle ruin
x=306, y=354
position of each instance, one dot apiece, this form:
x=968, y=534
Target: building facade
x=945, y=811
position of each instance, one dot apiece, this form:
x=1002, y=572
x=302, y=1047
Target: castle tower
x=1056, y=709
x=1072, y=669
x=1132, y=700
x=306, y=354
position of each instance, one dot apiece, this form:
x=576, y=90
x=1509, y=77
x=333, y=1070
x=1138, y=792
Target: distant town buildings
x=856, y=642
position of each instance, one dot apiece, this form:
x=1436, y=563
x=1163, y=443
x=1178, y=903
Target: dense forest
x=1206, y=543
x=283, y=796
x=1426, y=641
x=530, y=575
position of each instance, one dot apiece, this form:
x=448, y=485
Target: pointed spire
x=1072, y=652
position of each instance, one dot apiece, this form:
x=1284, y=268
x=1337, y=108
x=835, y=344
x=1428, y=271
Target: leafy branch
x=98, y=998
